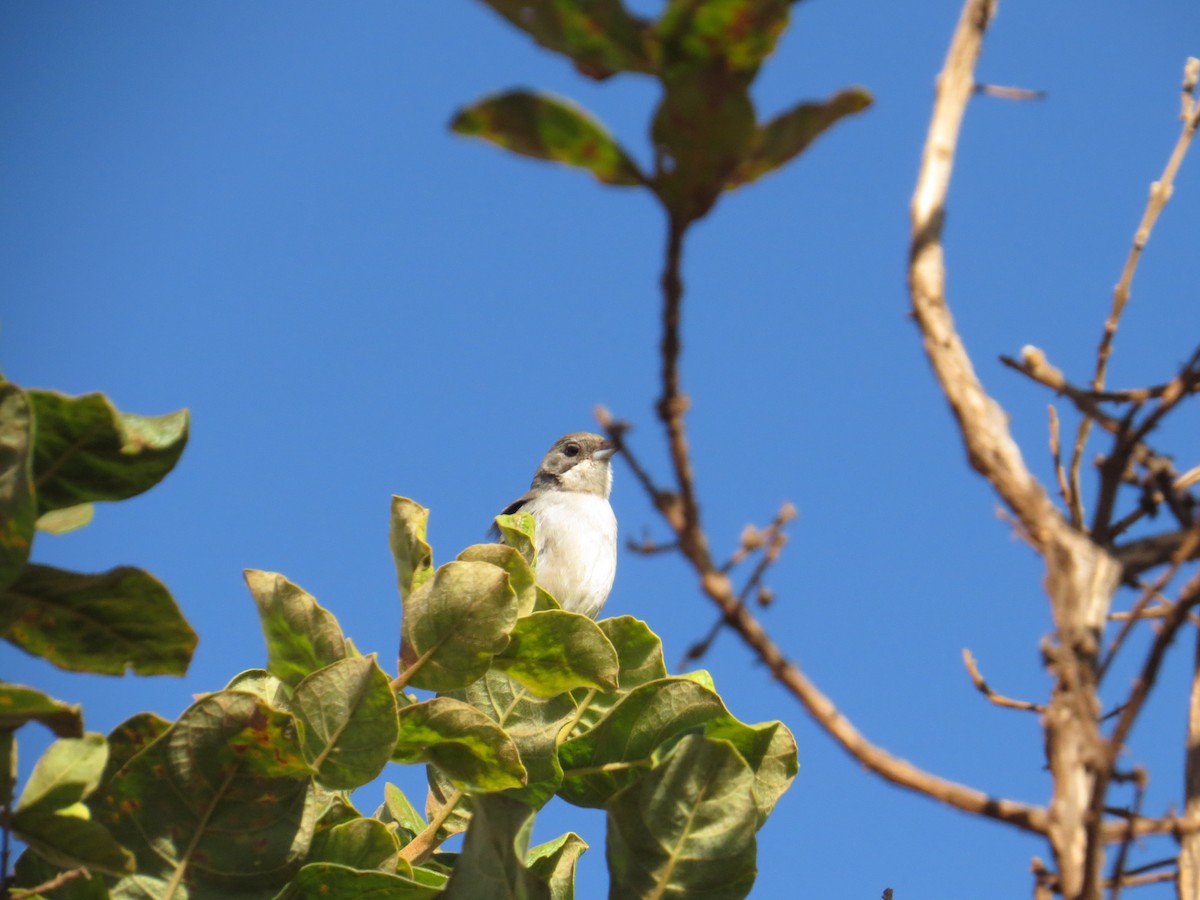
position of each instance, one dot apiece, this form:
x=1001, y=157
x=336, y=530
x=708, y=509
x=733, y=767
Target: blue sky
x=256, y=211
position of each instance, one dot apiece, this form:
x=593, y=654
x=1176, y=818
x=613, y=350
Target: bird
x=575, y=528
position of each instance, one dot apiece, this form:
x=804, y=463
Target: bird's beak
x=606, y=451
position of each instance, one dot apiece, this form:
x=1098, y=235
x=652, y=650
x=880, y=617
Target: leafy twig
x=56, y=882
x=422, y=846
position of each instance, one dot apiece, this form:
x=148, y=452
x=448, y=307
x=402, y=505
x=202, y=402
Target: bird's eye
x=571, y=450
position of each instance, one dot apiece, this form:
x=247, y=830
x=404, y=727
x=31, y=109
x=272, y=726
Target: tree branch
x=1080, y=578
x=719, y=588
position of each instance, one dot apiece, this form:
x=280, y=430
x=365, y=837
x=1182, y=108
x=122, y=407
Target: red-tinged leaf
x=735, y=35
x=107, y=623
x=600, y=37
x=548, y=128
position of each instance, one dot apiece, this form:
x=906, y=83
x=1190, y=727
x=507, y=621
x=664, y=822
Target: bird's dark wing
x=514, y=507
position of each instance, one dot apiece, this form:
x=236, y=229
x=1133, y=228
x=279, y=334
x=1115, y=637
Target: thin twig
x=1009, y=93
x=1141, y=880
x=1188, y=478
x=1060, y=474
x=1112, y=747
x=1160, y=193
x=673, y=404
x=984, y=688
x=1130, y=438
x=719, y=589
x=647, y=547
x=1033, y=364
x=1146, y=553
x=56, y=882
x=698, y=649
x=1117, y=879
x=1154, y=612
x=1151, y=591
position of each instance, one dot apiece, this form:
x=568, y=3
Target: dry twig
x=1160, y=193
x=984, y=688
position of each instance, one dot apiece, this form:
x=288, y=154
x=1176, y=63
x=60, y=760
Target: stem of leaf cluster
x=419, y=848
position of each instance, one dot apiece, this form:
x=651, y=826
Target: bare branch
x=1189, y=845
x=1120, y=877
x=1140, y=555
x=984, y=688
x=1081, y=578
x=1009, y=93
x=1160, y=193
x=1188, y=600
x=46, y=887
x=1187, y=547
x=1064, y=489
x=717, y=585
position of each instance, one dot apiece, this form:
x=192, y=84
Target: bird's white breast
x=577, y=548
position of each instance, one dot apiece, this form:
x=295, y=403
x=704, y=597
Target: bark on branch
x=1080, y=577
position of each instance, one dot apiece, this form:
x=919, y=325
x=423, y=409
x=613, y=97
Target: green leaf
x=639, y=660
x=471, y=749
x=349, y=715
x=359, y=844
x=454, y=624
x=702, y=129
x=62, y=521
x=733, y=36
x=705, y=123
x=18, y=504
x=600, y=762
x=397, y=808
x=639, y=651
x=789, y=134
x=130, y=738
x=68, y=771
x=702, y=677
x=302, y=636
x=554, y=864
x=223, y=802
x=518, y=531
x=549, y=128
x=555, y=651
x=69, y=841
x=600, y=37
x=86, y=450
x=334, y=808
x=492, y=863
x=520, y=575
x=275, y=691
x=687, y=828
x=20, y=704
x=412, y=553
x=106, y=623
x=323, y=881
x=532, y=722
x=769, y=749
